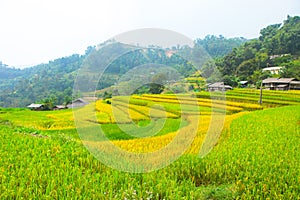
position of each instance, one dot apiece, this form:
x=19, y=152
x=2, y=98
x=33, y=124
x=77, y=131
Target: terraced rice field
x=256, y=157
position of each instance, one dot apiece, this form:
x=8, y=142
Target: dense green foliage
x=43, y=82
x=278, y=45
x=8, y=73
x=219, y=46
x=54, y=81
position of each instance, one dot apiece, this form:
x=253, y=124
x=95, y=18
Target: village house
x=36, y=107
x=77, y=103
x=243, y=84
x=59, y=107
x=281, y=84
x=218, y=86
x=273, y=70
x=278, y=56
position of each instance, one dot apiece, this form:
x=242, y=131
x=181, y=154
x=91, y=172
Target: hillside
x=219, y=58
x=45, y=81
x=54, y=81
x=278, y=45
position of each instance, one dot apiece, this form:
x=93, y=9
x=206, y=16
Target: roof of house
x=278, y=80
x=77, y=103
x=270, y=80
x=228, y=86
x=285, y=80
x=80, y=100
x=217, y=84
x=59, y=106
x=272, y=68
x=243, y=82
x=276, y=56
x=34, y=105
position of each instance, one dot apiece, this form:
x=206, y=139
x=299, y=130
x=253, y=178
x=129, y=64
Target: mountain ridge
x=231, y=60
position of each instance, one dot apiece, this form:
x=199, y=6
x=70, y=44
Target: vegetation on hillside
x=55, y=80
x=52, y=81
x=278, y=45
x=218, y=58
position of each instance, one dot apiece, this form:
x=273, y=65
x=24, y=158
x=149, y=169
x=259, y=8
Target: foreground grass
x=41, y=120
x=257, y=158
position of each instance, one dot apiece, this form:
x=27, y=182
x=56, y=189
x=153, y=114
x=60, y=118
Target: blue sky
x=36, y=31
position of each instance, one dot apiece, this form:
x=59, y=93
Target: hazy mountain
x=55, y=80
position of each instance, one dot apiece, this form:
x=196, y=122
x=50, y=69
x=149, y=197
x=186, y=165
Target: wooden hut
x=36, y=107
x=77, y=103
x=218, y=86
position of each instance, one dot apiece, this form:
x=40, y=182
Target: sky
x=37, y=31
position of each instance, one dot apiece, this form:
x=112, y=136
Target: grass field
x=256, y=157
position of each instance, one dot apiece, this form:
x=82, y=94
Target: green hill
x=231, y=60
x=278, y=45
x=55, y=80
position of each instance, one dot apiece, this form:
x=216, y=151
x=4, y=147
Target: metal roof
x=278, y=80
x=228, y=86
x=270, y=80
x=217, y=84
x=272, y=68
x=243, y=82
x=59, y=106
x=33, y=105
x=80, y=100
x=285, y=80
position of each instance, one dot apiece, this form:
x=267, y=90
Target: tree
x=292, y=70
x=67, y=100
x=258, y=76
x=48, y=103
x=158, y=83
x=231, y=80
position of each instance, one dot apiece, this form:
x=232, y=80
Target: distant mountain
x=54, y=81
